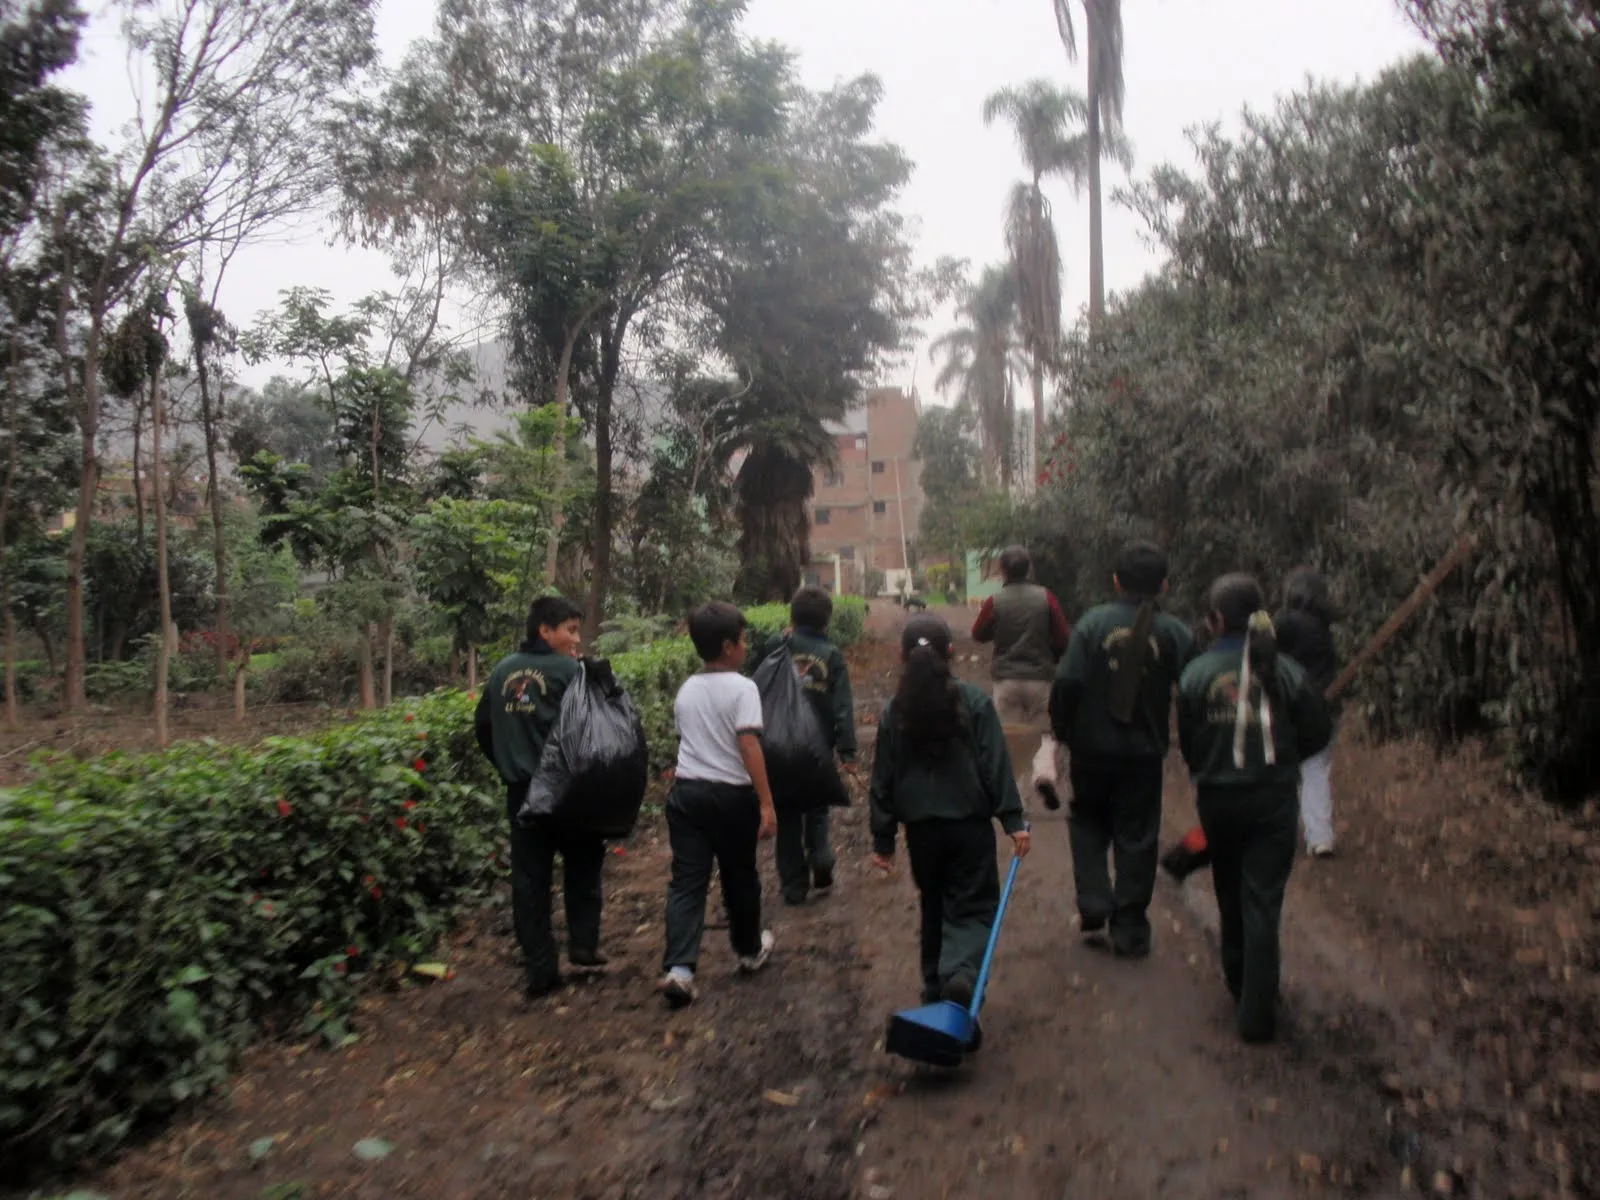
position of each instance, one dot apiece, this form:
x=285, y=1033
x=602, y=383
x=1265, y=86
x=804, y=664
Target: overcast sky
x=1186, y=62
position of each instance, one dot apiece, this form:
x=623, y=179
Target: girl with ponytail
x=943, y=772
x=1247, y=718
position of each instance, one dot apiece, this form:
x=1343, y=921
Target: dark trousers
x=1116, y=807
x=953, y=865
x=802, y=848
x=533, y=851
x=1252, y=841
x=712, y=823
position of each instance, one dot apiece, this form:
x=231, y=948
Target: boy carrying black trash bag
x=805, y=857
x=1111, y=705
x=720, y=806
x=516, y=711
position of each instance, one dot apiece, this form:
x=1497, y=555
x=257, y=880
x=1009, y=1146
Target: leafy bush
x=848, y=624
x=629, y=632
x=156, y=911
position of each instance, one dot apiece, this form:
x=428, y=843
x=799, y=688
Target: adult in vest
x=1030, y=634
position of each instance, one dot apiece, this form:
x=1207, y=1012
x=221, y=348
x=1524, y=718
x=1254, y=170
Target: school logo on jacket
x=519, y=688
x=1222, y=701
x=1119, y=637
x=813, y=672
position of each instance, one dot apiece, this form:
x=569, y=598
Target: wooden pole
x=1459, y=553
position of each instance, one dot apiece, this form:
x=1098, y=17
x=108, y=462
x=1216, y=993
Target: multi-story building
x=864, y=509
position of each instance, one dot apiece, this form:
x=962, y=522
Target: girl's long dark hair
x=928, y=713
x=1237, y=600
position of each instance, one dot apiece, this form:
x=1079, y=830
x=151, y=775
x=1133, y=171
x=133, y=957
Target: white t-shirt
x=713, y=709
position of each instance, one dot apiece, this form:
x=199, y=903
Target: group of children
x=1248, y=717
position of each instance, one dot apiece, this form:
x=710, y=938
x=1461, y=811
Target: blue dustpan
x=941, y=1034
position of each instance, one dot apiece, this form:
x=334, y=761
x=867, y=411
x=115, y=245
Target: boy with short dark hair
x=720, y=806
x=516, y=711
x=805, y=857
x=1111, y=705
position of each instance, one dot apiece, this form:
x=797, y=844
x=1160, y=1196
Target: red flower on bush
x=422, y=735
x=409, y=805
x=284, y=807
x=420, y=765
x=352, y=951
x=399, y=822
x=369, y=880
x=339, y=967
x=377, y=893
x=421, y=828
x=410, y=717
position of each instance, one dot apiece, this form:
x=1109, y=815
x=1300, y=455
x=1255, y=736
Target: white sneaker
x=1321, y=850
x=678, y=987
x=755, y=962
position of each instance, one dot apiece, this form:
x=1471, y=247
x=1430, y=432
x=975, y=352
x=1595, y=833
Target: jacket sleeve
x=483, y=724
x=1313, y=722
x=844, y=707
x=1060, y=630
x=1071, y=678
x=983, y=627
x=1191, y=718
x=995, y=770
x=880, y=795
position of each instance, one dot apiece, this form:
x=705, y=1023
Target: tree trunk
x=369, y=698
x=5, y=518
x=241, y=668
x=219, y=541
x=163, y=584
x=558, y=512
x=472, y=668
x=138, y=484
x=1038, y=419
x=1097, y=265
x=387, y=626
x=604, y=501
x=74, y=695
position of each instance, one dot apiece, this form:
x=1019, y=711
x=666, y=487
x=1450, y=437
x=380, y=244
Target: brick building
x=864, y=511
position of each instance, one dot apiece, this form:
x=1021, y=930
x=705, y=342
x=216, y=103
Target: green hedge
x=157, y=911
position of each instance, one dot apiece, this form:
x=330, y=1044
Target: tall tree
x=215, y=76
x=1102, y=21
x=1051, y=129
x=981, y=360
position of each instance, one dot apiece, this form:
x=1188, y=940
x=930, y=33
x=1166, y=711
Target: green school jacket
x=973, y=779
x=1207, y=708
x=1080, y=714
x=826, y=679
x=518, y=707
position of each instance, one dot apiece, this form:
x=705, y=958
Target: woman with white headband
x=942, y=770
x=1247, y=719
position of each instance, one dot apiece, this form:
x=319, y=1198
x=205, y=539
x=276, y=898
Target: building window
x=880, y=506
x=847, y=551
x=822, y=516
x=834, y=479
x=877, y=467
x=861, y=441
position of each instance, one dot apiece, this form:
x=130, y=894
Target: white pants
x=1316, y=798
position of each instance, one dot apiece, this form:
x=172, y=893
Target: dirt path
x=1429, y=1048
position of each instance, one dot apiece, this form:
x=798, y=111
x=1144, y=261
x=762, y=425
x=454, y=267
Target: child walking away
x=1111, y=706
x=804, y=853
x=1247, y=718
x=720, y=804
x=516, y=711
x=1304, y=633
x=942, y=770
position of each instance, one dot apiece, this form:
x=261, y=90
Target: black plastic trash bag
x=596, y=764
x=796, y=746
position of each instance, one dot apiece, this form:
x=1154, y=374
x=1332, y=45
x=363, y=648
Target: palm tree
x=981, y=360
x=1044, y=118
x=1103, y=31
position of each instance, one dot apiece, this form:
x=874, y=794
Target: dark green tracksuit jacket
x=516, y=711
x=804, y=855
x=1116, y=768
x=1249, y=812
x=946, y=805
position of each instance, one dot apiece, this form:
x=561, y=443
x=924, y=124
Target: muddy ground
x=1442, y=984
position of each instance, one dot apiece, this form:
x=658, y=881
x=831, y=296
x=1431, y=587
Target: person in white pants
x=1304, y=632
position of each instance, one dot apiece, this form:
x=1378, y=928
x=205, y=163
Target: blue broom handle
x=994, y=937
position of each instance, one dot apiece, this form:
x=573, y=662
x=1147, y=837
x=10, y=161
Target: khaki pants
x=1026, y=702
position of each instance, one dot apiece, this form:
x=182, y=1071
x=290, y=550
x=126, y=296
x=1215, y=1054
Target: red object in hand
x=1194, y=841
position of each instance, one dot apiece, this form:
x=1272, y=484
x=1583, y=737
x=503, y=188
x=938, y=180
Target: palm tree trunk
x=558, y=514
x=5, y=516
x=1038, y=418
x=1097, y=264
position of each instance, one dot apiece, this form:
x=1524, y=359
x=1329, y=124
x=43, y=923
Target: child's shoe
x=678, y=987
x=752, y=963
x=822, y=880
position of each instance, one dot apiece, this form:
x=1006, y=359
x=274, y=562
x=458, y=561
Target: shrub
x=156, y=911
x=848, y=624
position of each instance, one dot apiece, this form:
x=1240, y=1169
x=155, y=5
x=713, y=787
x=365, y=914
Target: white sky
x=1186, y=62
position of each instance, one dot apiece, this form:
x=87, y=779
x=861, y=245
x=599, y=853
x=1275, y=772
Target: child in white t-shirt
x=720, y=806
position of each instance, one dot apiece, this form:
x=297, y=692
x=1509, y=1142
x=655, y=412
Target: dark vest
x=1022, y=634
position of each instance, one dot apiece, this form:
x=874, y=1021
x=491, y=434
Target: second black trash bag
x=596, y=764
x=798, y=751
